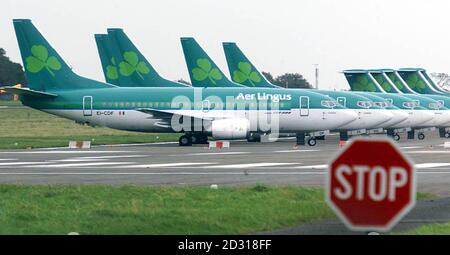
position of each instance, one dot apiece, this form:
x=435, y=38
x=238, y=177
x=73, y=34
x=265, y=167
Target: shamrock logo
x=245, y=73
x=205, y=70
x=396, y=82
x=40, y=59
x=362, y=83
x=111, y=70
x=131, y=64
x=383, y=83
x=415, y=83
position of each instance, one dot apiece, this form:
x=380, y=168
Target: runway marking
x=111, y=157
x=168, y=165
x=186, y=173
x=411, y=147
x=80, y=164
x=75, y=160
x=431, y=165
x=428, y=152
x=19, y=163
x=214, y=153
x=59, y=152
x=289, y=151
x=312, y=167
x=7, y=159
x=251, y=165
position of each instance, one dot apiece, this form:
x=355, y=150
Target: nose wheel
x=396, y=137
x=421, y=136
x=312, y=141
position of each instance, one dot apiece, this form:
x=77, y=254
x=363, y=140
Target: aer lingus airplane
x=391, y=82
x=117, y=46
x=371, y=118
x=115, y=50
x=219, y=112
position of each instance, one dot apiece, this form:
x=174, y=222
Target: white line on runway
x=214, y=153
x=111, y=157
x=251, y=165
x=428, y=152
x=19, y=163
x=81, y=164
x=168, y=165
x=289, y=151
x=411, y=147
x=312, y=167
x=188, y=173
x=7, y=159
x=59, y=152
x=431, y=165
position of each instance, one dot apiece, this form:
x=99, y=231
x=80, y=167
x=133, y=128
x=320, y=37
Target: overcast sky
x=278, y=35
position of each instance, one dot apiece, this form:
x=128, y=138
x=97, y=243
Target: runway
x=243, y=164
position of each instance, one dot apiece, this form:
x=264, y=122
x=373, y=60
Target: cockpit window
x=438, y=105
x=364, y=104
x=382, y=104
x=328, y=103
x=411, y=104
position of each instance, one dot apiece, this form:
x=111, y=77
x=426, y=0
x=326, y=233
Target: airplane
x=371, y=118
x=391, y=82
x=218, y=112
x=116, y=44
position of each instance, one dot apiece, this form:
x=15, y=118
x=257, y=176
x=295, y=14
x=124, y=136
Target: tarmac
x=275, y=163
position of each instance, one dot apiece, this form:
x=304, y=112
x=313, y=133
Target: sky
x=278, y=36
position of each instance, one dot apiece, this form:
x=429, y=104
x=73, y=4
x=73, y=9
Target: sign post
x=371, y=185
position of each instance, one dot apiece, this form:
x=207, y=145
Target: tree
x=269, y=77
x=288, y=80
x=10, y=73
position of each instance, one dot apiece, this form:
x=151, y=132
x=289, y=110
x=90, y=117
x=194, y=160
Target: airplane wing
x=164, y=115
x=28, y=92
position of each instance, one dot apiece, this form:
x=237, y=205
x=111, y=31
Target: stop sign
x=371, y=185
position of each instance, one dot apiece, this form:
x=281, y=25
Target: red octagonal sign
x=371, y=185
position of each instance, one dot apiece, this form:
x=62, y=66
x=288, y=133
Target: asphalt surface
x=277, y=163
x=244, y=163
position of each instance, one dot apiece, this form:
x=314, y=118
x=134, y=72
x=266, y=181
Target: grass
x=24, y=128
x=96, y=209
x=431, y=229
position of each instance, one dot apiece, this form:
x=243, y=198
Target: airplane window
x=328, y=103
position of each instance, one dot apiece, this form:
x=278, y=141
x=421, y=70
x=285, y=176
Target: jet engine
x=230, y=129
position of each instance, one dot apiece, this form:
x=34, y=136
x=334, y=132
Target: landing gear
x=396, y=137
x=312, y=141
x=199, y=139
x=185, y=140
x=254, y=138
x=421, y=136
x=300, y=138
x=447, y=135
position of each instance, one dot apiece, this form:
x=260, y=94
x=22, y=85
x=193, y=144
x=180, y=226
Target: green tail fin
x=133, y=68
x=242, y=71
x=384, y=81
x=416, y=81
x=44, y=68
x=202, y=70
x=359, y=80
x=109, y=64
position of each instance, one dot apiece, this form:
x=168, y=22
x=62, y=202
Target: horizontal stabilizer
x=28, y=92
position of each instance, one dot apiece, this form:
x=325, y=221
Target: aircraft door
x=87, y=105
x=304, y=106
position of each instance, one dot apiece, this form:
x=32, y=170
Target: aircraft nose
x=441, y=118
x=422, y=117
x=398, y=116
x=346, y=116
